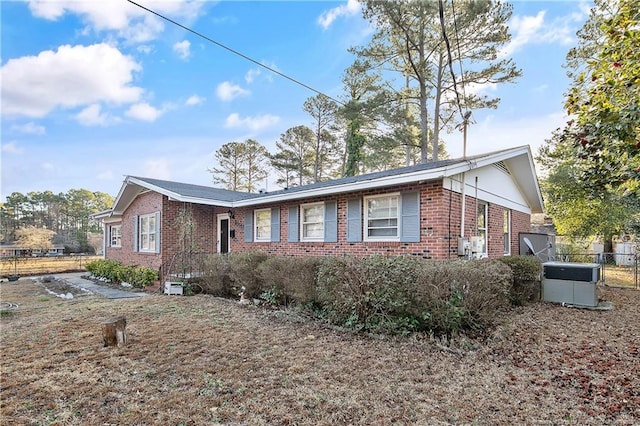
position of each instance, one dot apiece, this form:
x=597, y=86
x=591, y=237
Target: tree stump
x=113, y=331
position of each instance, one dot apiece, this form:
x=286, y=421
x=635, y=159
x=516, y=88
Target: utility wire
x=235, y=52
x=446, y=41
x=455, y=26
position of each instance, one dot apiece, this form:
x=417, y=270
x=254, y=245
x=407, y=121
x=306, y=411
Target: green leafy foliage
x=137, y=276
x=243, y=272
x=292, y=278
x=605, y=97
x=380, y=294
x=525, y=271
x=367, y=293
x=216, y=279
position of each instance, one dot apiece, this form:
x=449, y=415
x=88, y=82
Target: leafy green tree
x=295, y=156
x=577, y=210
x=241, y=165
x=409, y=42
x=230, y=159
x=605, y=97
x=67, y=214
x=323, y=110
x=255, y=165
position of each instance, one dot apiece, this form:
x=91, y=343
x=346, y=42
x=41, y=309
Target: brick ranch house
x=415, y=210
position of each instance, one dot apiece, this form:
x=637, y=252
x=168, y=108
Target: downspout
x=463, y=208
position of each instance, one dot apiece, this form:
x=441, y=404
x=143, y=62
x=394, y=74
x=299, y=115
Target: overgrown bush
x=137, y=276
x=526, y=272
x=371, y=293
x=215, y=278
x=243, y=271
x=289, y=279
x=455, y=295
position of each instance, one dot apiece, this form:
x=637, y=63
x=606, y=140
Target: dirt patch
x=204, y=360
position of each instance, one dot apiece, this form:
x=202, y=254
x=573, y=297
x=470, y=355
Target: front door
x=223, y=233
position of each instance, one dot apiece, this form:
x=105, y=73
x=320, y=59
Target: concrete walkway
x=75, y=279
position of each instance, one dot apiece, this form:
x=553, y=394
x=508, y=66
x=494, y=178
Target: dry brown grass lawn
x=203, y=360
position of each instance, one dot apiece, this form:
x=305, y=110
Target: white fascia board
x=382, y=182
x=174, y=196
x=203, y=201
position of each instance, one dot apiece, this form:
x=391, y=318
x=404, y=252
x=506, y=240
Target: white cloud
x=69, y=77
x=93, y=116
x=12, y=148
x=30, y=128
x=523, y=31
x=254, y=124
x=47, y=166
x=182, y=48
x=327, y=18
x=495, y=133
x=251, y=75
x=227, y=91
x=145, y=48
x=194, y=100
x=538, y=30
x=105, y=175
x=144, y=112
x=158, y=168
x=125, y=19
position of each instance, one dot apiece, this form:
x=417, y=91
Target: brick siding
x=440, y=212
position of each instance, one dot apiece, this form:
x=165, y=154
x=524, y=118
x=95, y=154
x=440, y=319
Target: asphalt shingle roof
x=198, y=191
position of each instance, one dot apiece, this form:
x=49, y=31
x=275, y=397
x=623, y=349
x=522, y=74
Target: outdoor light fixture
x=231, y=215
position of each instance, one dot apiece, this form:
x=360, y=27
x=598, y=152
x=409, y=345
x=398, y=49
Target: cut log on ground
x=113, y=331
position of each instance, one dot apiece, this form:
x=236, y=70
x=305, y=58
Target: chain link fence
x=617, y=269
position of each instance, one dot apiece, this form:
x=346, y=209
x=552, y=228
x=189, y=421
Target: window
x=506, y=231
x=312, y=222
x=381, y=217
x=115, y=236
x=482, y=227
x=263, y=225
x=147, y=233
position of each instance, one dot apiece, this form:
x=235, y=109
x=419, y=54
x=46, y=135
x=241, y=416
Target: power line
x=448, y=45
x=455, y=26
x=235, y=52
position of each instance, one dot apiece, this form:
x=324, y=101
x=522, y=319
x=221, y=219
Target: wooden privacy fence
x=25, y=266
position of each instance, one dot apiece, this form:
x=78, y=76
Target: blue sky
x=93, y=91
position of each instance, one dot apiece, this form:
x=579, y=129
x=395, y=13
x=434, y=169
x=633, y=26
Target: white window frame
x=148, y=231
x=483, y=230
x=256, y=225
x=366, y=218
x=303, y=224
x=506, y=231
x=115, y=236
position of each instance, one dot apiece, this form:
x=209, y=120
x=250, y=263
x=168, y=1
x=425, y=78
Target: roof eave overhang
x=405, y=178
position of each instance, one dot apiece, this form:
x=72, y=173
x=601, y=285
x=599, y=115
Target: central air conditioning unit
x=570, y=283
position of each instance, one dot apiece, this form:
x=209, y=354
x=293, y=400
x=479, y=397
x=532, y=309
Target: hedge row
x=137, y=276
x=382, y=294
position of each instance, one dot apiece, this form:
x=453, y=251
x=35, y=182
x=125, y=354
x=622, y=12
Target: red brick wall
x=439, y=223
x=440, y=211
x=204, y=217
x=146, y=203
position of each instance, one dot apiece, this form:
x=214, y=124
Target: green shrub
x=450, y=296
x=243, y=271
x=526, y=272
x=291, y=279
x=371, y=293
x=137, y=276
x=216, y=279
